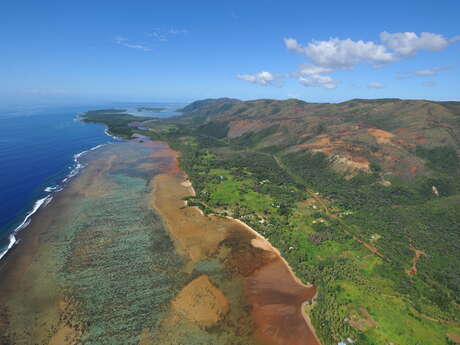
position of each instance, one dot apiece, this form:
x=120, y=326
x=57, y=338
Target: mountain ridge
x=361, y=198
x=358, y=132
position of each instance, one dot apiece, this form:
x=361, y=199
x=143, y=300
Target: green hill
x=361, y=197
x=356, y=134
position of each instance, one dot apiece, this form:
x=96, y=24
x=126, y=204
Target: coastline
x=294, y=276
x=45, y=200
x=242, y=287
x=65, y=278
x=258, y=241
x=188, y=183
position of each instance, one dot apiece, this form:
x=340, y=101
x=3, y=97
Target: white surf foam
x=12, y=239
x=96, y=147
x=50, y=189
x=79, y=166
x=10, y=245
x=106, y=131
x=46, y=200
x=43, y=202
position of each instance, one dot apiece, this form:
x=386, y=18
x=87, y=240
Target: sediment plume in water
x=117, y=258
x=272, y=291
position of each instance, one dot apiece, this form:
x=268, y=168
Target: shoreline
x=273, y=318
x=263, y=244
x=294, y=276
x=40, y=285
x=42, y=202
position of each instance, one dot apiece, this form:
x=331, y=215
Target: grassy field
x=355, y=300
x=351, y=238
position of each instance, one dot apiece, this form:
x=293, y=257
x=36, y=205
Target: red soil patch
x=322, y=140
x=362, y=320
x=277, y=308
x=401, y=131
x=381, y=136
x=359, y=159
x=368, y=246
x=401, y=142
x=418, y=253
x=420, y=140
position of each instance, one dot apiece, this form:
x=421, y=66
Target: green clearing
x=317, y=220
x=348, y=275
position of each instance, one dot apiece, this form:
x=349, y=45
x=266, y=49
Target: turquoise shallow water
x=104, y=252
x=39, y=149
x=98, y=265
x=133, y=263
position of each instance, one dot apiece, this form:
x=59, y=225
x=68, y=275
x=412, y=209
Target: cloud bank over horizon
x=326, y=57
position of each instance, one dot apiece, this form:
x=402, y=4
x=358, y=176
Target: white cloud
x=312, y=69
x=120, y=39
x=345, y=53
x=429, y=84
x=337, y=53
x=424, y=72
x=431, y=71
x=163, y=35
x=174, y=31
x=137, y=46
x=325, y=57
x=263, y=78
x=375, y=85
x=292, y=45
x=307, y=75
x=318, y=80
x=408, y=43
x=123, y=41
x=158, y=36
x=311, y=75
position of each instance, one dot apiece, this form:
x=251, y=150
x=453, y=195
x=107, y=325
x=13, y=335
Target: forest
x=383, y=257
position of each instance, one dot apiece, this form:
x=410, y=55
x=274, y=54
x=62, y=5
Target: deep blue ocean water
x=39, y=150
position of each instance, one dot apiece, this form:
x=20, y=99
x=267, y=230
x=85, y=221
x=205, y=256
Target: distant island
x=153, y=109
x=362, y=198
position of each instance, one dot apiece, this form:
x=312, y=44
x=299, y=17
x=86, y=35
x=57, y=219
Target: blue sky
x=186, y=50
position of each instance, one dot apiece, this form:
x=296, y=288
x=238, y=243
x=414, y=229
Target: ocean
x=40, y=148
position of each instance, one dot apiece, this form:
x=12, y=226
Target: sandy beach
x=119, y=258
x=276, y=309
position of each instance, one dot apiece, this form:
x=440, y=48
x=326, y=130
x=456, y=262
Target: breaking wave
x=43, y=202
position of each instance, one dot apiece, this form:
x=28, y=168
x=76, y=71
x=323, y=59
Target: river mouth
x=119, y=258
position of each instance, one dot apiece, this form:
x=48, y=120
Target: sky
x=149, y=51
